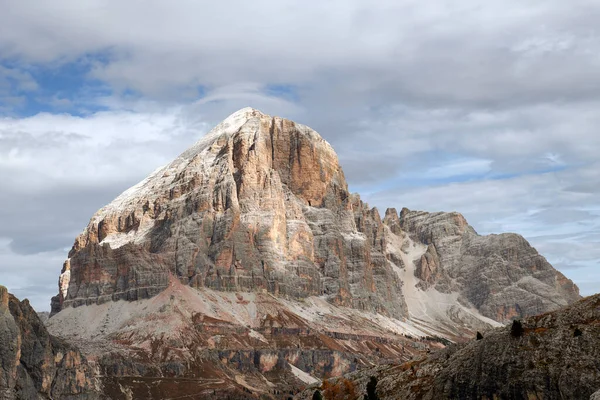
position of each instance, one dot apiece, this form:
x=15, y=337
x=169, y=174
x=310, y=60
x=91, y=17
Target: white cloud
x=440, y=51
x=415, y=97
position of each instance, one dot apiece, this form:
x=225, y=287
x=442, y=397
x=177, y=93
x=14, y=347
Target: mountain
x=35, y=364
x=500, y=275
x=550, y=356
x=246, y=266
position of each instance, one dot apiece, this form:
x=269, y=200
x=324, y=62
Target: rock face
x=35, y=364
x=501, y=275
x=260, y=203
x=248, y=252
x=554, y=356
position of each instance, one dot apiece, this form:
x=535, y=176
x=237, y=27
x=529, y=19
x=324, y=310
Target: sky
x=486, y=108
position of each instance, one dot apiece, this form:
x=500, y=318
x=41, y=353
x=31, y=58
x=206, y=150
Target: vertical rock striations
x=500, y=275
x=259, y=204
x=247, y=253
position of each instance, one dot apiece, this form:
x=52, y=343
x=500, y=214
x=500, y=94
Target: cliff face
x=248, y=253
x=259, y=204
x=552, y=356
x=35, y=364
x=500, y=275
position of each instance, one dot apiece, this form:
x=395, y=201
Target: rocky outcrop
x=550, y=356
x=36, y=365
x=500, y=275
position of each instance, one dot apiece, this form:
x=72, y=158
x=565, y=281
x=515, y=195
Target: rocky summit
x=245, y=268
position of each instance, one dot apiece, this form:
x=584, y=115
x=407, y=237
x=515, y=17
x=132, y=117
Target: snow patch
x=257, y=335
x=303, y=376
x=430, y=309
x=354, y=236
x=118, y=239
x=64, y=281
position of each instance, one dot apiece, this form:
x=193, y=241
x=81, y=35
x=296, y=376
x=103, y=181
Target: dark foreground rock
x=551, y=356
x=36, y=365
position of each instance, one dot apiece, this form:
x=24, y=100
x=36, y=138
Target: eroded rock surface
x=260, y=203
x=36, y=365
x=501, y=275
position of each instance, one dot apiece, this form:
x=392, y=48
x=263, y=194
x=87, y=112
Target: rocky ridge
x=248, y=253
x=501, y=275
x=550, y=356
x=35, y=364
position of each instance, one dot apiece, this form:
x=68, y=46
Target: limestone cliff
x=259, y=204
x=247, y=253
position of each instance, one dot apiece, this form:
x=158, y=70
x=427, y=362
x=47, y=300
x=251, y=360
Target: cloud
x=30, y=276
x=14, y=84
x=489, y=109
x=432, y=53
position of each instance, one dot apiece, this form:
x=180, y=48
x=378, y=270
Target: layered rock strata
x=259, y=204
x=500, y=275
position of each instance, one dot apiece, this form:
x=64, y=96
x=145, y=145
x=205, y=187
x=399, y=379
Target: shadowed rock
x=35, y=364
x=547, y=361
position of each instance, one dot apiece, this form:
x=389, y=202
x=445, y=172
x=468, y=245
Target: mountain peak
x=251, y=170
x=245, y=112
x=251, y=236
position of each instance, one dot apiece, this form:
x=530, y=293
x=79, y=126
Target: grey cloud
x=10, y=140
x=589, y=287
x=31, y=276
x=488, y=109
x=561, y=215
x=50, y=218
x=423, y=53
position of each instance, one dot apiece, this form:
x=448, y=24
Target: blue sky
x=489, y=109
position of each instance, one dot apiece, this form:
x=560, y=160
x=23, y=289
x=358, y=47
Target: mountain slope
x=259, y=203
x=554, y=356
x=501, y=275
